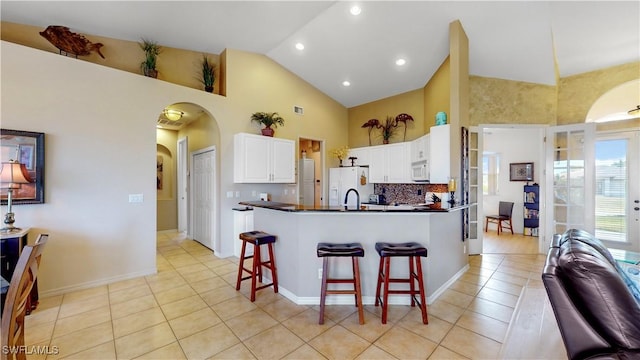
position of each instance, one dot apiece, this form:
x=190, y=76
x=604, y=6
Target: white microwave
x=420, y=171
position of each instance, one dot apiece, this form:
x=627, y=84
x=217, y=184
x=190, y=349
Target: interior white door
x=203, y=196
x=569, y=179
x=182, y=190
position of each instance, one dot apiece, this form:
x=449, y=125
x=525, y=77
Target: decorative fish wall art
x=69, y=42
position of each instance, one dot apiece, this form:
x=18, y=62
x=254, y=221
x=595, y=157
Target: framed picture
x=26, y=147
x=521, y=171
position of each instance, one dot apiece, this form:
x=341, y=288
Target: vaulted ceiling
x=520, y=41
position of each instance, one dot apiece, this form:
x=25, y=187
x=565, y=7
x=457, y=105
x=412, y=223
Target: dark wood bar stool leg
x=413, y=251
x=423, y=301
x=358, y=294
x=323, y=289
x=353, y=250
x=257, y=239
x=272, y=267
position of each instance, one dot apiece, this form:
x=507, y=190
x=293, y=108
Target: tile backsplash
x=409, y=193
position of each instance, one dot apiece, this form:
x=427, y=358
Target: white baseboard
x=368, y=300
x=90, y=284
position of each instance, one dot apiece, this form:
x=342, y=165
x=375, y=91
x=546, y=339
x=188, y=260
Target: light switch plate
x=136, y=198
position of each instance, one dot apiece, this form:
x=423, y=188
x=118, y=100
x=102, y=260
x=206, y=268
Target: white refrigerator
x=306, y=178
x=344, y=178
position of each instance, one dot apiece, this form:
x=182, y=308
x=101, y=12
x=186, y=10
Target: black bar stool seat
x=413, y=251
x=257, y=238
x=354, y=250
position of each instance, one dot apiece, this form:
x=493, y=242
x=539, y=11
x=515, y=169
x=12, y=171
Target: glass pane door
x=616, y=220
x=570, y=177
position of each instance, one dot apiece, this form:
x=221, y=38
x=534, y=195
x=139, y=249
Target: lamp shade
x=13, y=174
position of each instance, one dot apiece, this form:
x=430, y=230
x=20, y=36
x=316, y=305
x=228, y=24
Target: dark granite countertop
x=273, y=205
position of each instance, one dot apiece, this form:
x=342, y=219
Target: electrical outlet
x=419, y=191
x=237, y=194
x=320, y=273
x=254, y=193
x=464, y=249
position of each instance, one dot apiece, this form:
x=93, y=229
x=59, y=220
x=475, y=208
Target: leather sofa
x=595, y=303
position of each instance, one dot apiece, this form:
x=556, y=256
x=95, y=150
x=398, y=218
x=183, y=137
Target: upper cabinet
x=420, y=149
x=263, y=159
x=440, y=154
x=390, y=163
x=362, y=154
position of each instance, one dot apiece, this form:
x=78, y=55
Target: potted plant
x=387, y=129
x=437, y=202
x=340, y=153
x=151, y=51
x=268, y=120
x=208, y=74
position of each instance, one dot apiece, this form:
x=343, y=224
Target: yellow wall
x=167, y=217
x=178, y=66
x=437, y=94
x=409, y=103
x=497, y=101
x=577, y=93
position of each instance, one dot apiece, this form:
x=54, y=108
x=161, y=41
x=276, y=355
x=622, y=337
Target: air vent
x=298, y=110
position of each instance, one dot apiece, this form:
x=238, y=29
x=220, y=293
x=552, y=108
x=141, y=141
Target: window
x=490, y=173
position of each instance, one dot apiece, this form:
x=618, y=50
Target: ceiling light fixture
x=355, y=10
x=300, y=46
x=401, y=62
x=346, y=83
x=173, y=115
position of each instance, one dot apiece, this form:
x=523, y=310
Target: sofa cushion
x=591, y=278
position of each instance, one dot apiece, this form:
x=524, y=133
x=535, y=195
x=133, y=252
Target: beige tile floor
x=191, y=310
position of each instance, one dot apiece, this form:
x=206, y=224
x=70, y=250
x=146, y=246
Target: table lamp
x=12, y=176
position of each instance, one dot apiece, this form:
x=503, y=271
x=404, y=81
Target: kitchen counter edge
x=273, y=205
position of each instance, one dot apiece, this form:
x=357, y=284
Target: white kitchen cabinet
x=440, y=154
x=263, y=159
x=390, y=163
x=420, y=149
x=362, y=154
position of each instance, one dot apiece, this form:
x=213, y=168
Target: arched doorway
x=186, y=129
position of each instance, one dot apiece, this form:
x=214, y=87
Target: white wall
x=100, y=126
x=515, y=145
x=100, y=145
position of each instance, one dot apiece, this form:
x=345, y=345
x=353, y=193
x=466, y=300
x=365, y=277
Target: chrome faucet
x=346, y=198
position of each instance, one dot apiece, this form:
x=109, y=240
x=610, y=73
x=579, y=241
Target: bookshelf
x=531, y=209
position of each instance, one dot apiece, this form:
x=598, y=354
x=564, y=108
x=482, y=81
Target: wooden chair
x=16, y=303
x=505, y=209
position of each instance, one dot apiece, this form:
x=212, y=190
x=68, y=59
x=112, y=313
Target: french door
x=617, y=189
x=569, y=177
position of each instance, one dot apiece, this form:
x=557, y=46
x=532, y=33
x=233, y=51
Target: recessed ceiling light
x=401, y=62
x=355, y=10
x=346, y=83
x=300, y=46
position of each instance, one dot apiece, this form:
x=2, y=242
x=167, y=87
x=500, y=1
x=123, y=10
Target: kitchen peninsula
x=300, y=228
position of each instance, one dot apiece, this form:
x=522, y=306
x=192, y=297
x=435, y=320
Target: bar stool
x=257, y=238
x=354, y=250
x=413, y=251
